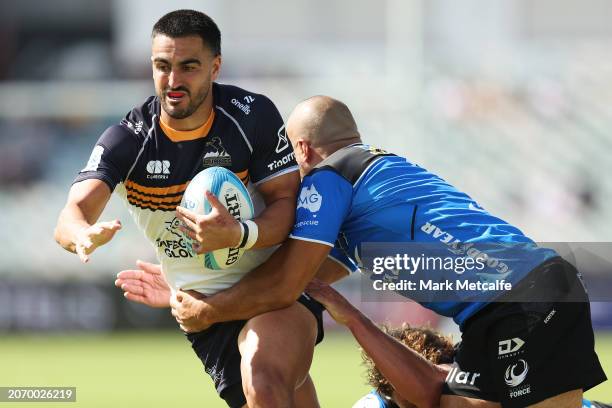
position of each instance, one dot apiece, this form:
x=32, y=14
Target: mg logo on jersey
x=310, y=199
x=516, y=373
x=248, y=99
x=158, y=169
x=283, y=142
x=509, y=346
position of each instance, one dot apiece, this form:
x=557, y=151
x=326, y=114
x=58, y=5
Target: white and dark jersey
x=151, y=164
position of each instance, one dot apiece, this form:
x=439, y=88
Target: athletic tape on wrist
x=243, y=235
x=251, y=232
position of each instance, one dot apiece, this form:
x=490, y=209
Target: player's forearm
x=413, y=377
x=70, y=222
x=85, y=203
x=262, y=290
x=275, y=222
x=275, y=284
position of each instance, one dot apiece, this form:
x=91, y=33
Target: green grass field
x=158, y=369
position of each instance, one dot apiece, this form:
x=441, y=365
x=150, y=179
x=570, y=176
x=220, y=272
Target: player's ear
x=216, y=67
x=302, y=149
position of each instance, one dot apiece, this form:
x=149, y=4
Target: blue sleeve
x=339, y=256
x=372, y=400
x=323, y=204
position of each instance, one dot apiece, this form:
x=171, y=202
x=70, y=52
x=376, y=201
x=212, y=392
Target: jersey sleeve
x=323, y=204
x=272, y=152
x=111, y=158
x=338, y=255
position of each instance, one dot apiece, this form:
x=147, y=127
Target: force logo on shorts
x=515, y=375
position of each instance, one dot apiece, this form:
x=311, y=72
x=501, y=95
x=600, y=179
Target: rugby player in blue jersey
x=422, y=356
x=513, y=354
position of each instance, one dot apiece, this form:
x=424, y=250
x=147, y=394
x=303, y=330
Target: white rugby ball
x=232, y=193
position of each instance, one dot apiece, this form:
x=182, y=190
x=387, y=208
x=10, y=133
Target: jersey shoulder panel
x=245, y=108
x=140, y=120
x=262, y=128
x=118, y=147
x=351, y=161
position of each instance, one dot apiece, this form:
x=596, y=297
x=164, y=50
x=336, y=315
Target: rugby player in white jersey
x=148, y=159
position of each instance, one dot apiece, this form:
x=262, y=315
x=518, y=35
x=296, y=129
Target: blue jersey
x=374, y=400
x=360, y=194
x=594, y=404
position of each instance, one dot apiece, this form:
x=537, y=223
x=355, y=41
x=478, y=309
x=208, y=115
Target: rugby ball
x=232, y=193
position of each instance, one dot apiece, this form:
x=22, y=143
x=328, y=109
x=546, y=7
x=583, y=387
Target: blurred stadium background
x=510, y=100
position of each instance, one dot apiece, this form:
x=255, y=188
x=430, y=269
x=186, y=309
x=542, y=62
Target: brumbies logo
x=218, y=156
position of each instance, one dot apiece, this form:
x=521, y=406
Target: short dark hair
x=184, y=23
x=427, y=342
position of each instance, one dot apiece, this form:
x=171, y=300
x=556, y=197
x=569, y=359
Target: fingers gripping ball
x=232, y=193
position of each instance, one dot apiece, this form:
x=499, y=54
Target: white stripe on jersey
x=311, y=240
x=237, y=125
x=280, y=173
x=144, y=143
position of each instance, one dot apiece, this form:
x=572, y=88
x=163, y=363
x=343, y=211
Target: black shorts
x=217, y=347
x=521, y=353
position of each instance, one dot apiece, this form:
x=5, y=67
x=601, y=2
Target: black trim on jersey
x=351, y=161
x=154, y=203
x=178, y=195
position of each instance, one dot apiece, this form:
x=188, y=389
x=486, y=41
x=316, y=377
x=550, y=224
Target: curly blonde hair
x=427, y=342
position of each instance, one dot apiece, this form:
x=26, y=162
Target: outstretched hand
x=145, y=285
x=215, y=230
x=90, y=238
x=337, y=306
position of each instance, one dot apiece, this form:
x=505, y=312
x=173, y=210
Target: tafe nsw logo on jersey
x=310, y=199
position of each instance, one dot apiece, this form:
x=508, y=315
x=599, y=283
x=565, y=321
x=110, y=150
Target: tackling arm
x=414, y=378
x=275, y=284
